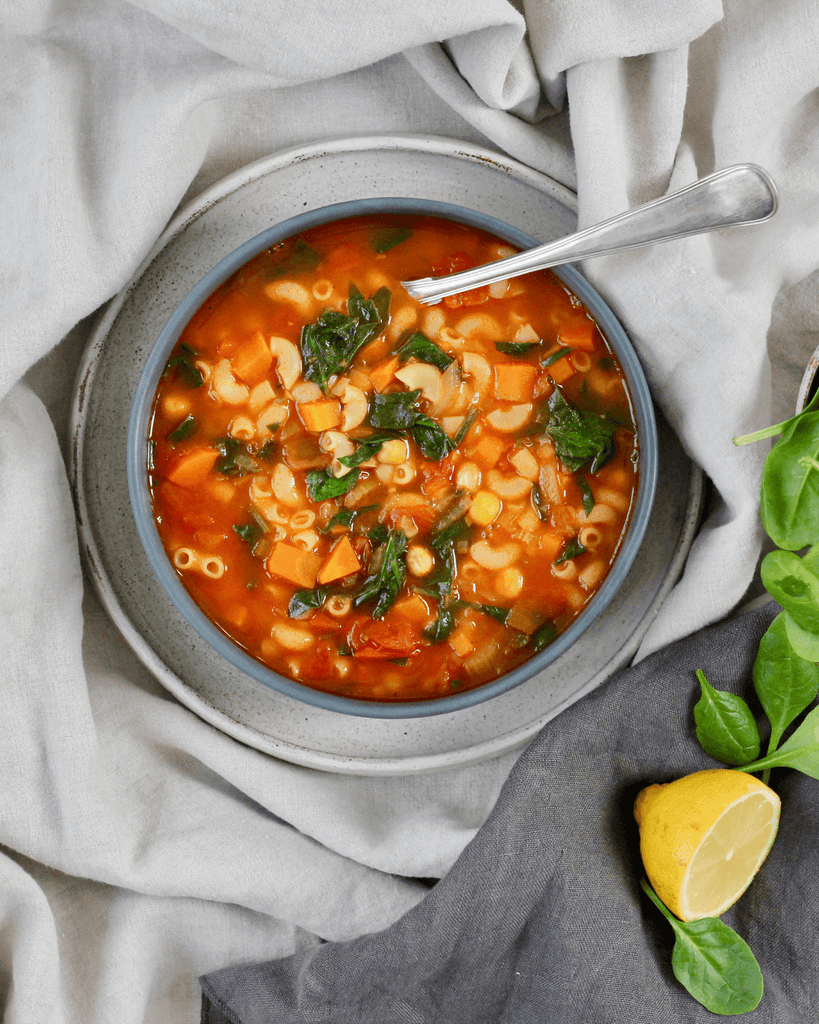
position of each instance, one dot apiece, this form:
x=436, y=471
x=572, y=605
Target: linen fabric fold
x=542, y=916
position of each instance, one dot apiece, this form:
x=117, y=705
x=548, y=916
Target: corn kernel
x=485, y=508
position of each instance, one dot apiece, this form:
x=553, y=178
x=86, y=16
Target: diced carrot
x=413, y=608
x=342, y=561
x=192, y=467
x=382, y=375
x=561, y=370
x=489, y=449
x=294, y=564
x=252, y=359
x=515, y=382
x=322, y=415
x=578, y=334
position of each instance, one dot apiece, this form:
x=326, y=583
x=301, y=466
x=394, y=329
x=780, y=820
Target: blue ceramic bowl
x=139, y=425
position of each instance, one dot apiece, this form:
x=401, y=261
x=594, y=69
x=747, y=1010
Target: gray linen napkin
x=542, y=919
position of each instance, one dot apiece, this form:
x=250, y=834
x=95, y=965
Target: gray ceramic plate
x=221, y=219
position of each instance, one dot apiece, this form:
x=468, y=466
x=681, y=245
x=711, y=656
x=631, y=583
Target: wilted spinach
x=330, y=343
x=322, y=485
x=418, y=346
x=388, y=573
x=580, y=437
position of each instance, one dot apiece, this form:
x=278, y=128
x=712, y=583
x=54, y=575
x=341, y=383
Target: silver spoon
x=740, y=194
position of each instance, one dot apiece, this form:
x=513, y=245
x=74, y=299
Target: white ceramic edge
x=291, y=752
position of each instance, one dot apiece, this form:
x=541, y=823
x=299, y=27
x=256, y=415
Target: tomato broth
x=384, y=500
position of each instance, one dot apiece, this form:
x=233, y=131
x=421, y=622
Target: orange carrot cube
x=515, y=382
x=342, y=561
x=294, y=564
x=192, y=467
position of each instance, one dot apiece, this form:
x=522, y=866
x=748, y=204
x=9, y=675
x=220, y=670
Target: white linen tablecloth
x=139, y=847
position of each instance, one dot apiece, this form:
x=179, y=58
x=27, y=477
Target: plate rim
x=287, y=749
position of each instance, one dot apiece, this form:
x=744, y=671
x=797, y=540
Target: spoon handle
x=740, y=194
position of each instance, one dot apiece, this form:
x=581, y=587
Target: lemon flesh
x=704, y=837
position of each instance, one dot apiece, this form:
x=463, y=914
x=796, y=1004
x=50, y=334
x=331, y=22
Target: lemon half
x=704, y=837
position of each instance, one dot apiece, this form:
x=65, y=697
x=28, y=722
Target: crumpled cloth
x=139, y=847
x=542, y=917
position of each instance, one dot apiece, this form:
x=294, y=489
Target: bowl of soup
x=383, y=508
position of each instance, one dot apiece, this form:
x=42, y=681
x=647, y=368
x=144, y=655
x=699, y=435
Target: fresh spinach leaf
x=804, y=643
x=572, y=549
x=184, y=430
x=579, y=437
x=322, y=485
x=789, y=498
x=516, y=348
x=396, y=410
x=553, y=358
x=388, y=573
x=726, y=728
x=793, y=586
x=799, y=751
x=713, y=963
x=418, y=346
x=785, y=683
x=305, y=601
x=387, y=237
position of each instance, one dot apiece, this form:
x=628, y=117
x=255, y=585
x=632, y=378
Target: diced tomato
x=318, y=664
x=377, y=639
x=322, y=623
x=454, y=264
x=184, y=505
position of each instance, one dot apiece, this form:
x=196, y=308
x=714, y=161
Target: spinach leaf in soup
x=322, y=485
x=387, y=237
x=418, y=346
x=305, y=601
x=579, y=437
x=387, y=575
x=331, y=342
x=397, y=410
x=516, y=348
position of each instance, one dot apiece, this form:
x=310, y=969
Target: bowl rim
x=139, y=492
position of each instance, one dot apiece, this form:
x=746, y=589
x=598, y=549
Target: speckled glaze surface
x=220, y=220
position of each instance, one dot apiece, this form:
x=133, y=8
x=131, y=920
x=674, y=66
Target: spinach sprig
x=330, y=343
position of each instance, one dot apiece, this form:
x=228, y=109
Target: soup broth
x=383, y=500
